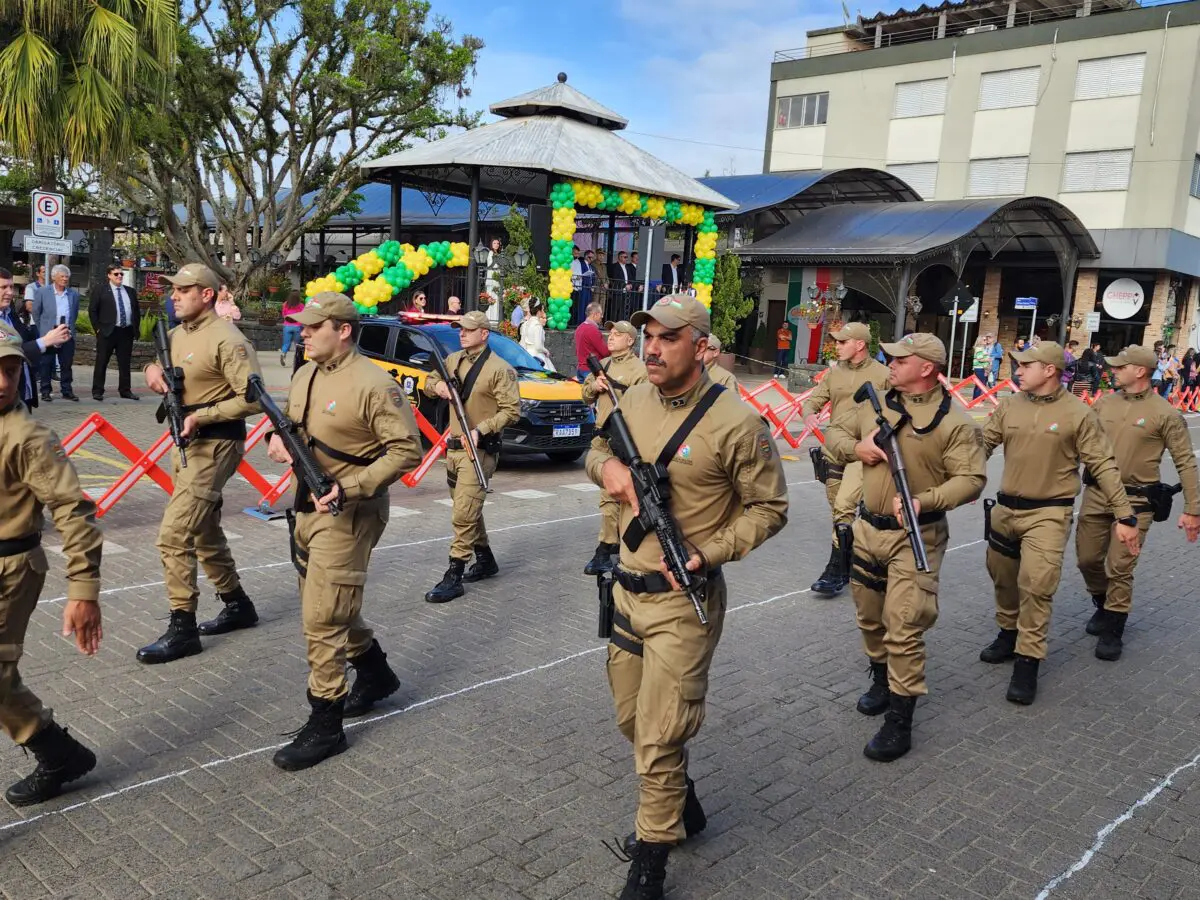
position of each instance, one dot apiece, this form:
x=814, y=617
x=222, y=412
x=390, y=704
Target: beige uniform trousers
x=843, y=495
x=659, y=697
x=1105, y=564
x=21, y=578
x=1025, y=586
x=467, y=513
x=191, y=524
x=336, y=551
x=895, y=603
x=610, y=519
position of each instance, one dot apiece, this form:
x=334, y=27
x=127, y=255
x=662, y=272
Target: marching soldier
x=217, y=361
x=493, y=402
x=843, y=478
x=717, y=372
x=362, y=432
x=896, y=603
x=728, y=496
x=1046, y=432
x=623, y=370
x=1141, y=425
x=35, y=474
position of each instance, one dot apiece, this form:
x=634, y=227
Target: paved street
x=498, y=769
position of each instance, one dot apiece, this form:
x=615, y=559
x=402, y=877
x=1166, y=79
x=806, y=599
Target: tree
x=520, y=235
x=729, y=304
x=71, y=68
x=276, y=105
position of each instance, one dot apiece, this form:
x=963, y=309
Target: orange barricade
x=780, y=416
x=413, y=478
x=141, y=463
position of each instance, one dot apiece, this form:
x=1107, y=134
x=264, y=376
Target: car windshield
x=506, y=348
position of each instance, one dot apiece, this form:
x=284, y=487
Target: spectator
x=997, y=358
x=519, y=314
x=115, y=318
x=633, y=265
x=491, y=282
x=53, y=305
x=39, y=281
x=1187, y=369
x=1170, y=370
x=672, y=276
x=783, y=341
x=169, y=305
x=32, y=345
x=291, y=328
x=1095, y=370
x=225, y=306
x=1071, y=367
x=1019, y=347
x=418, y=303
x=533, y=335
x=620, y=273
x=453, y=306
x=588, y=339
x=981, y=362
x=587, y=282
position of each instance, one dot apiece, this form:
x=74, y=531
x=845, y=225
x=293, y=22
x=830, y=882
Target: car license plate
x=566, y=431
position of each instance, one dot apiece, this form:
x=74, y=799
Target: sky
x=691, y=76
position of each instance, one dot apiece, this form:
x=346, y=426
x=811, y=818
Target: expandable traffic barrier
x=413, y=478
x=141, y=463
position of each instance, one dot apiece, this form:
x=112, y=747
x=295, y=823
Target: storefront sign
x=1123, y=298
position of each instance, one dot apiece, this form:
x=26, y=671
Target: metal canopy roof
x=518, y=158
x=874, y=233
x=559, y=99
x=791, y=194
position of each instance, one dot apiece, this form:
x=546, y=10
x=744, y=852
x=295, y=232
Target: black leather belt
x=1133, y=490
x=16, y=546
x=835, y=471
x=1013, y=502
x=891, y=523
x=650, y=582
x=222, y=431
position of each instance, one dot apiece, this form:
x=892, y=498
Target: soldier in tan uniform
x=728, y=495
x=361, y=429
x=897, y=604
x=35, y=474
x=217, y=361
x=843, y=484
x=623, y=370
x=1141, y=425
x=717, y=372
x=488, y=386
x=1046, y=433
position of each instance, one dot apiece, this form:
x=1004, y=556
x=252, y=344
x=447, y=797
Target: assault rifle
x=310, y=473
x=171, y=409
x=460, y=413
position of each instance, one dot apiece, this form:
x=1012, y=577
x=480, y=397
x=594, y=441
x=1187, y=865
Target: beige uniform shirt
x=356, y=408
x=1045, y=439
x=727, y=487
x=837, y=389
x=722, y=376
x=495, y=400
x=1141, y=426
x=34, y=474
x=624, y=367
x=946, y=466
x=217, y=361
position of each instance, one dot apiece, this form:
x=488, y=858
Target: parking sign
x=49, y=215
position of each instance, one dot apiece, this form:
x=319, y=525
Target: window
x=801, y=110
x=1195, y=188
x=997, y=177
x=921, y=177
x=1106, y=170
x=919, y=98
x=1111, y=76
x=372, y=340
x=1012, y=87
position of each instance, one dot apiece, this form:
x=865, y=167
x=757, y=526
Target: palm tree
x=71, y=70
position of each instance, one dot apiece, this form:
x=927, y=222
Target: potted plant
x=149, y=300
x=278, y=287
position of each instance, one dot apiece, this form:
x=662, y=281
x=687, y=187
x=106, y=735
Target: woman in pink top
x=225, y=307
x=291, y=329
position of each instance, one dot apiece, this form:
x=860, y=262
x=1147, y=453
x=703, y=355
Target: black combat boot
x=1109, y=646
x=602, y=560
x=647, y=872
x=833, y=579
x=238, y=613
x=694, y=819
x=374, y=681
x=1022, y=688
x=485, y=565
x=1095, y=624
x=320, y=738
x=61, y=759
x=451, y=585
x=894, y=739
x=875, y=700
x=1002, y=649
x=182, y=638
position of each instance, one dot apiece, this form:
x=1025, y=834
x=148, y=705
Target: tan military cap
x=853, y=331
x=714, y=343
x=10, y=342
x=1134, y=355
x=327, y=305
x=623, y=327
x=196, y=273
x=922, y=344
x=473, y=321
x=1047, y=352
x=675, y=311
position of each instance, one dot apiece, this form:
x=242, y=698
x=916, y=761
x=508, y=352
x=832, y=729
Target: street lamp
x=503, y=264
x=138, y=223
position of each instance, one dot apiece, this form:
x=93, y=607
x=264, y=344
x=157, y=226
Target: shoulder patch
x=55, y=447
x=510, y=376
x=765, y=445
x=240, y=352
x=396, y=396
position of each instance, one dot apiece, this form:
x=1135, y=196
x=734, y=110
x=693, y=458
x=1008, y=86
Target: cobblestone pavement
x=498, y=769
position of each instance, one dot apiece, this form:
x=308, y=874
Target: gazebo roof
x=559, y=99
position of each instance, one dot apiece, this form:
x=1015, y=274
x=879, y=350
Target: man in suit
x=672, y=275
x=115, y=317
x=53, y=305
x=620, y=273
x=31, y=345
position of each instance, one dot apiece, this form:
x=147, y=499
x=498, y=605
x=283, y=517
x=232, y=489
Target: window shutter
x=1012, y=87
x=997, y=177
x=919, y=98
x=921, y=177
x=1110, y=76
x=1106, y=170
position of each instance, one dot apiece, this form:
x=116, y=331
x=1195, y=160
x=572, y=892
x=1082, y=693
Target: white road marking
x=584, y=487
x=399, y=512
x=110, y=549
x=527, y=494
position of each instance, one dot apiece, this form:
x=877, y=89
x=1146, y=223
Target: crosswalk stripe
x=527, y=494
x=584, y=487
x=110, y=549
x=400, y=512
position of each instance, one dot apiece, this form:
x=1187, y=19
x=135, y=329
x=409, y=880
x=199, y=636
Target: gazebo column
x=471, y=301
x=902, y=307
x=397, y=204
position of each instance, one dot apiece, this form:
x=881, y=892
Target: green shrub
x=83, y=325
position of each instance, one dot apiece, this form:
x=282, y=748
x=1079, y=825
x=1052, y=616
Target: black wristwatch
x=1131, y=521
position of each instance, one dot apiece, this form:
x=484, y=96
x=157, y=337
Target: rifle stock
x=171, y=409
